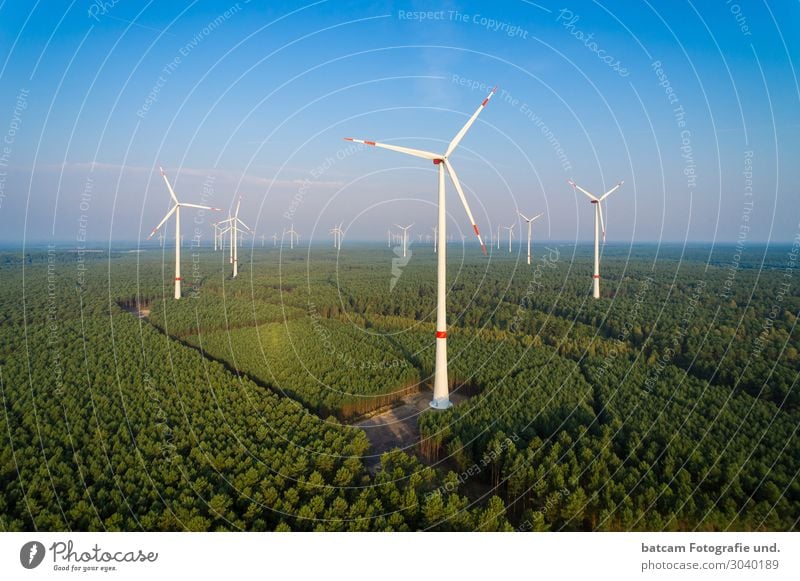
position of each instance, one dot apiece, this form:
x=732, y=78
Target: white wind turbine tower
x=529, y=221
x=216, y=235
x=441, y=389
x=176, y=209
x=598, y=225
x=498, y=237
x=405, y=236
x=510, y=235
x=434, y=239
x=274, y=240
x=389, y=238
x=262, y=240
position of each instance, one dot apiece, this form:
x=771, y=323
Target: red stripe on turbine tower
x=595, y=276
x=441, y=334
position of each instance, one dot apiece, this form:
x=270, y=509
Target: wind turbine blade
x=602, y=225
x=524, y=217
x=246, y=227
x=406, y=150
x=160, y=224
x=460, y=191
x=460, y=135
x=238, y=203
x=611, y=191
x=169, y=187
x=537, y=216
x=577, y=187
x=199, y=207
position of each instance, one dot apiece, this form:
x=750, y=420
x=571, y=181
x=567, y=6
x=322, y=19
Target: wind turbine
x=262, y=240
x=434, y=239
x=441, y=389
x=498, y=237
x=598, y=225
x=529, y=221
x=233, y=223
x=510, y=235
x=389, y=238
x=274, y=240
x=291, y=232
x=176, y=209
x=405, y=236
x=337, y=236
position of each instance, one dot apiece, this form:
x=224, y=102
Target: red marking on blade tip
x=370, y=142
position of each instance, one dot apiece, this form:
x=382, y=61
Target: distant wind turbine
x=598, y=225
x=510, y=234
x=529, y=221
x=405, y=236
x=337, y=236
x=234, y=223
x=292, y=235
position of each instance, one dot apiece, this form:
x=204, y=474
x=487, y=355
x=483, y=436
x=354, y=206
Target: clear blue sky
x=246, y=99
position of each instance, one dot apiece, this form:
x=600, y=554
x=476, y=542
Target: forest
x=669, y=404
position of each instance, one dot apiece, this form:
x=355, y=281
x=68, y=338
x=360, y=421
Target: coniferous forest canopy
x=671, y=404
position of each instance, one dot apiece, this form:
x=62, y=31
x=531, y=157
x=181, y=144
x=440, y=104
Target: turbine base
x=441, y=403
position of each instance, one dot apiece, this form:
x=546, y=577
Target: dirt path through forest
x=397, y=427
